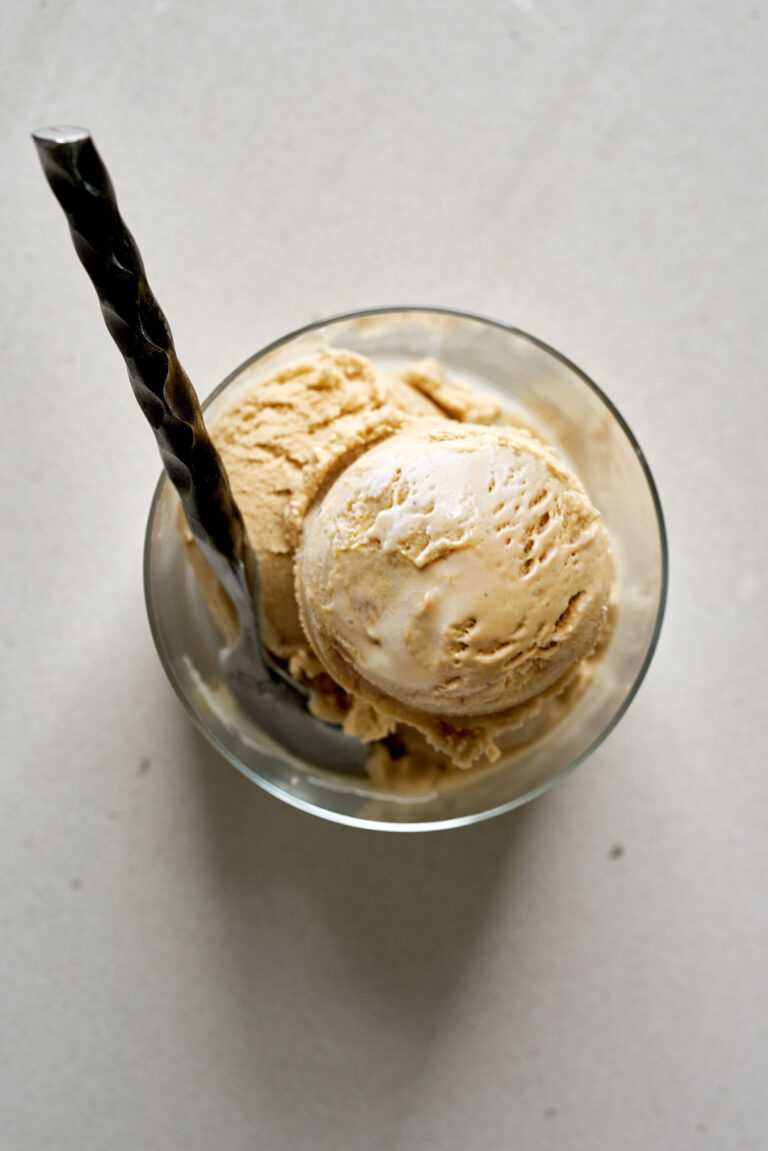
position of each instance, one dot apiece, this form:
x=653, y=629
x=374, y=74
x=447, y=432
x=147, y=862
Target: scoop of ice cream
x=457, y=569
x=279, y=437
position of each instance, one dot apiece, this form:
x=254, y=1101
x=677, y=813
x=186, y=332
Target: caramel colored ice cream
x=458, y=570
x=424, y=565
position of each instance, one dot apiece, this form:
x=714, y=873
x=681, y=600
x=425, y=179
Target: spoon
x=108, y=252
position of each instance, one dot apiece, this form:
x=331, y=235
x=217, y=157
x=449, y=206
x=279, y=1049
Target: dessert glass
x=548, y=391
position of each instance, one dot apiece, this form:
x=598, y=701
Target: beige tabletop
x=186, y=963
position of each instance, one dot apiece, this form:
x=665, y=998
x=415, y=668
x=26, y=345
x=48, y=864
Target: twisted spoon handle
x=107, y=250
x=136, y=323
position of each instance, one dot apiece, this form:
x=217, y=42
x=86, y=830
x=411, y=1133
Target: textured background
x=186, y=963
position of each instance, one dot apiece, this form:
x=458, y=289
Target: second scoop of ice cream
x=457, y=570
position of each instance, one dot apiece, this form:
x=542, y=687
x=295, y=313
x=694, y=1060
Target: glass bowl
x=582, y=422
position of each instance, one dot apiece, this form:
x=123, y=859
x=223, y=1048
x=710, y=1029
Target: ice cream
x=457, y=570
x=424, y=566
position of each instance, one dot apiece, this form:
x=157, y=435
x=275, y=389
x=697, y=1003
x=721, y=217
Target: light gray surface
x=185, y=963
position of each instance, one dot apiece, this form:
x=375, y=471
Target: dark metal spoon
x=81, y=184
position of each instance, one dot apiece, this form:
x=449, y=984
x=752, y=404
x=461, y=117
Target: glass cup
x=549, y=391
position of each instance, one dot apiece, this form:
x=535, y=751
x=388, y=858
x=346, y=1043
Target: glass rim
x=474, y=817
